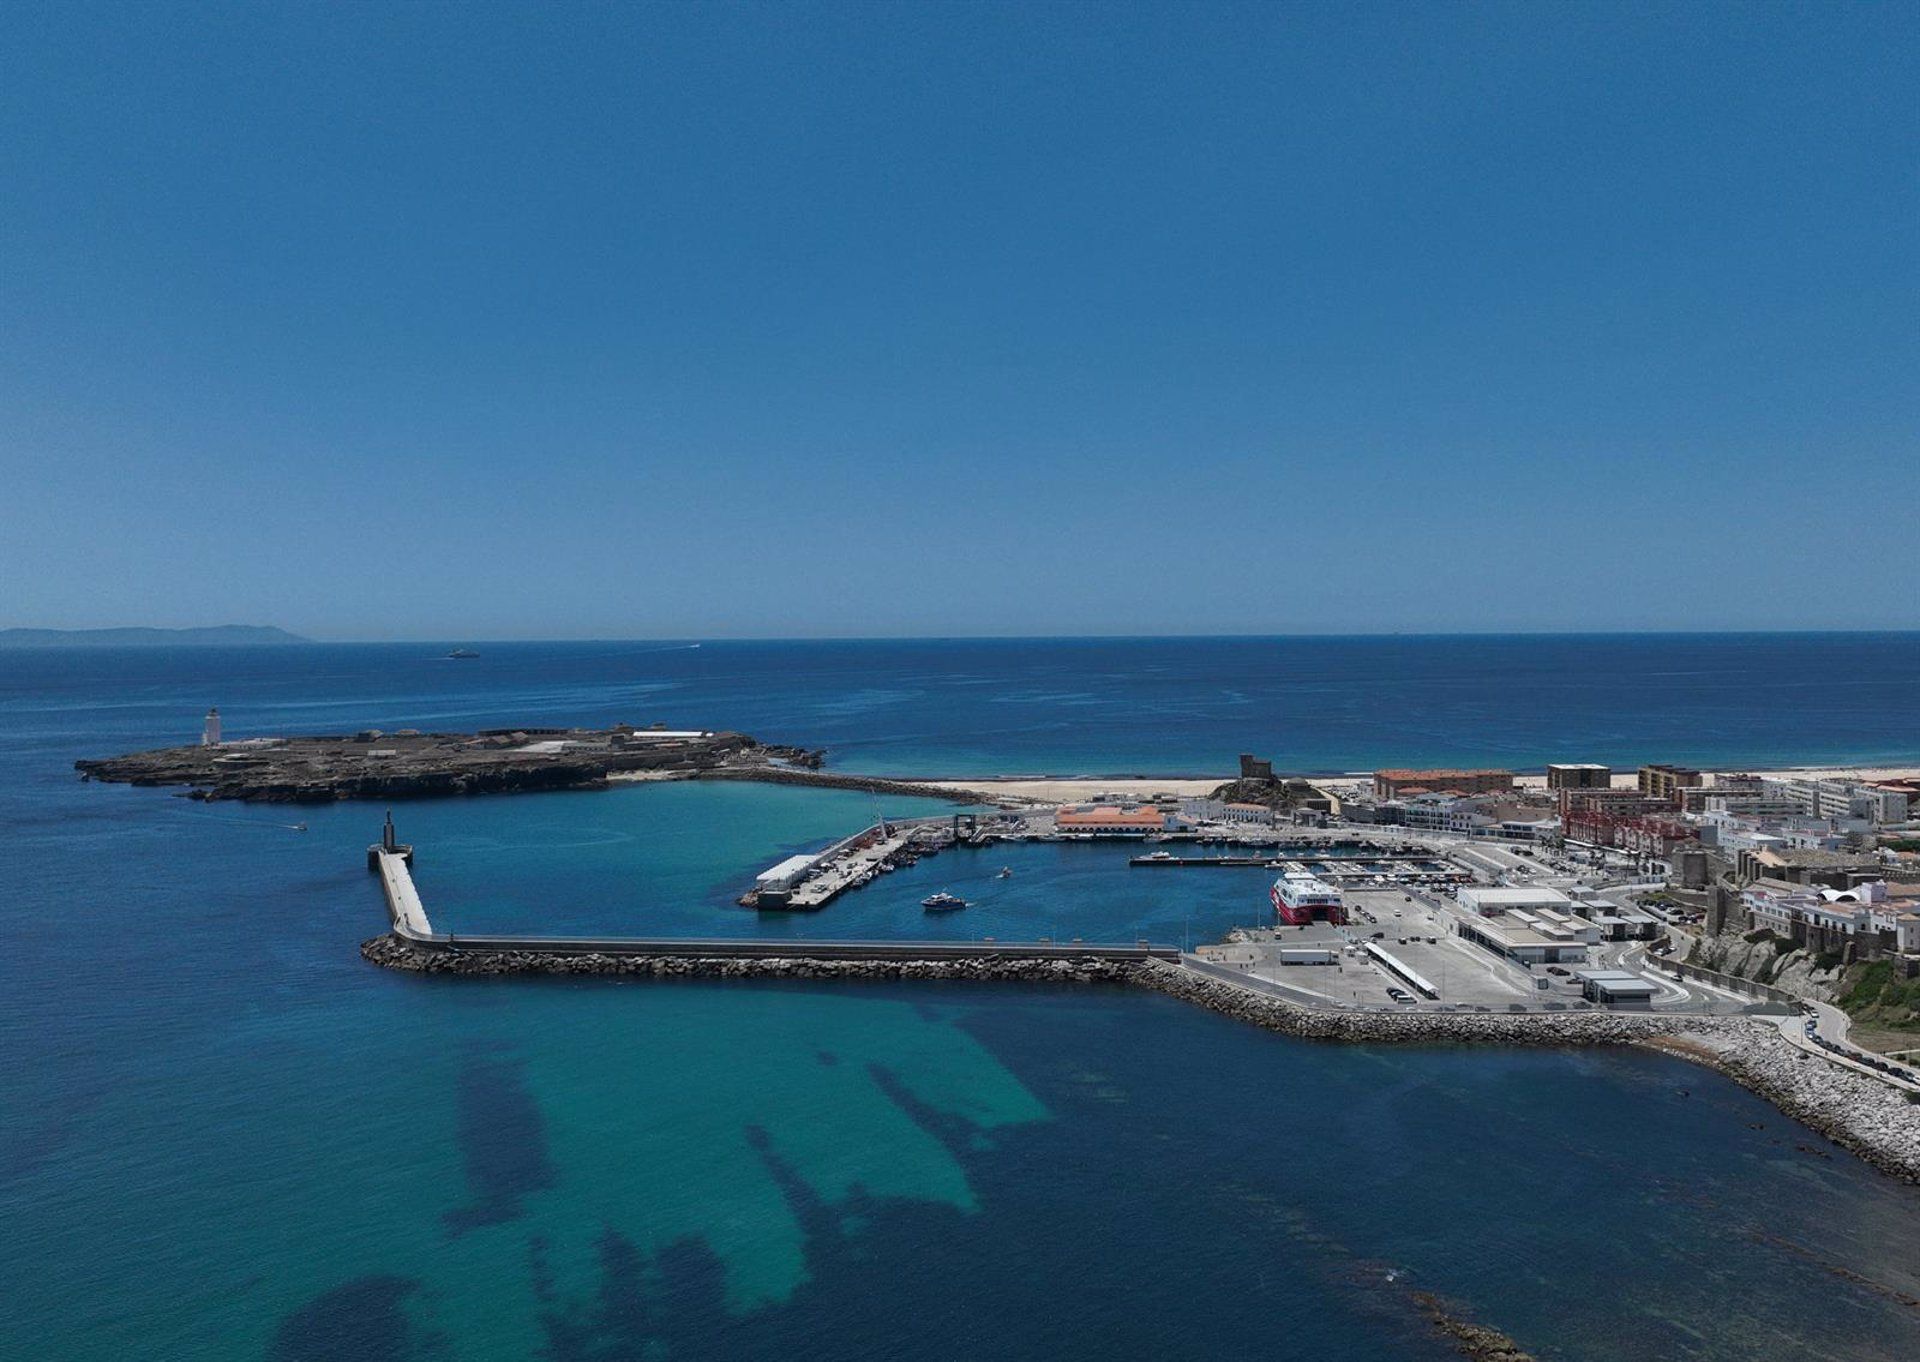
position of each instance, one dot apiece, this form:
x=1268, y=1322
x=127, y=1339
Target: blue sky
x=558, y=321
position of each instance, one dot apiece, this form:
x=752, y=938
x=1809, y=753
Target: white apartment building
x=1837, y=798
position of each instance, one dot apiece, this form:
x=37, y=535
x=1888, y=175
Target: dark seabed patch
x=359, y=1321
x=954, y=1132
x=502, y=1137
x=674, y=1307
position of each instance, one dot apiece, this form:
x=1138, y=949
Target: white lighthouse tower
x=210, y=735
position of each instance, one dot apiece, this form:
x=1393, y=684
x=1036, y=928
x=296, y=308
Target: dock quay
x=1418, y=870
x=808, y=883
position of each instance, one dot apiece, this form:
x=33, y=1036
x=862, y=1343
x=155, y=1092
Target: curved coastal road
x=1831, y=1025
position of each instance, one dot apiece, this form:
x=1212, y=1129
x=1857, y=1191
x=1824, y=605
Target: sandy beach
x=1066, y=791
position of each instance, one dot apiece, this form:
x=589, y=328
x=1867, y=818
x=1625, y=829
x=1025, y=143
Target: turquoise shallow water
x=223, y=1136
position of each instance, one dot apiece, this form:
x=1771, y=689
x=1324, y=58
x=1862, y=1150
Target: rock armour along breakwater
x=1866, y=1117
x=1876, y=1122
x=391, y=952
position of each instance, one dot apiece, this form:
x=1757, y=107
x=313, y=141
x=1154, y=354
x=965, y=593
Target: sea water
x=225, y=1136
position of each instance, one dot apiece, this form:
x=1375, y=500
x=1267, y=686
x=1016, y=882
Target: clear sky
x=503, y=321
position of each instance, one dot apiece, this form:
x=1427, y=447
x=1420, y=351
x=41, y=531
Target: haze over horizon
x=877, y=321
x=158, y=634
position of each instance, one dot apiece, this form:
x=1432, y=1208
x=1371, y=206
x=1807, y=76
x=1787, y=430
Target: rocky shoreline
x=408, y=764
x=1867, y=1117
x=1870, y=1119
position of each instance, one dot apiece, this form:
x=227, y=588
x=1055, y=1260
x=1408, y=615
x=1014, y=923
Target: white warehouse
x=1505, y=899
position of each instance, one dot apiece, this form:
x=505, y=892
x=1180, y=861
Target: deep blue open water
x=224, y=1136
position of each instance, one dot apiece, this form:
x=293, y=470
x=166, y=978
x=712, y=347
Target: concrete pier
x=405, y=912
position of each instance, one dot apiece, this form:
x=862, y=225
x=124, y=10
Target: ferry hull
x=1306, y=911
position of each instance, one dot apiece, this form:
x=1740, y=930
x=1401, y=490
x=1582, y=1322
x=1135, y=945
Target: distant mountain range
x=220, y=635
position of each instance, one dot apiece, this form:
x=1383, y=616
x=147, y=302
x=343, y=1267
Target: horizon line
x=690, y=639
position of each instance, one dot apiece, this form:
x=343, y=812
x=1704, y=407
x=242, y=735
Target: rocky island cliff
x=410, y=764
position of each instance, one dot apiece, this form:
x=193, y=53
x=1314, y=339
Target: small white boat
x=1006, y=873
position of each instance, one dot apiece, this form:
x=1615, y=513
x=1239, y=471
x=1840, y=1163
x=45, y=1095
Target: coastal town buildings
x=1661, y=781
x=1460, y=815
x=1729, y=785
x=1621, y=803
x=1833, y=869
x=1643, y=834
x=1392, y=784
x=1838, y=798
x=1583, y=775
x=1731, y=834
x=1864, y=921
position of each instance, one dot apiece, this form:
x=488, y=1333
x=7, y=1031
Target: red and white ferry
x=1299, y=898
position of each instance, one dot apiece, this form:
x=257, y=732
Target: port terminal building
x=1488, y=901
x=1616, y=988
x=1547, y=937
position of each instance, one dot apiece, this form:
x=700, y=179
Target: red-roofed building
x=1108, y=818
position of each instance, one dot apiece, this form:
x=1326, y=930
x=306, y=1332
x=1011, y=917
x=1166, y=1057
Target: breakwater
x=720, y=960
x=1866, y=1117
